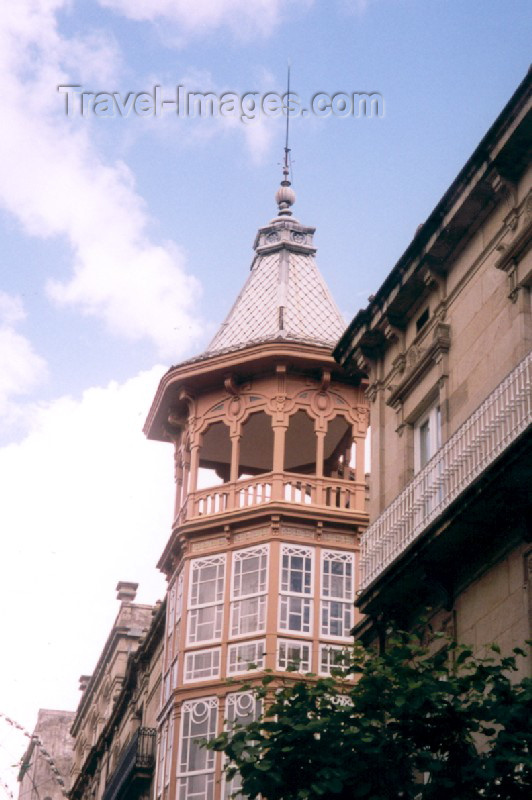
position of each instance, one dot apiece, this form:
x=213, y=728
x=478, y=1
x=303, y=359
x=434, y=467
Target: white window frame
x=257, y=599
x=241, y=663
x=174, y=667
x=168, y=754
x=329, y=650
x=192, y=712
x=432, y=418
x=197, y=612
x=161, y=757
x=167, y=685
x=235, y=704
x=191, y=666
x=328, y=598
x=290, y=599
x=285, y=661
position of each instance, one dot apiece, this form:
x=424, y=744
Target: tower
x=268, y=435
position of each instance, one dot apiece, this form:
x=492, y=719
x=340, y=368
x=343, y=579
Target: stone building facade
x=446, y=344
x=46, y=765
x=114, y=727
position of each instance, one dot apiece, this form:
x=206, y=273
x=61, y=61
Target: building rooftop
x=285, y=296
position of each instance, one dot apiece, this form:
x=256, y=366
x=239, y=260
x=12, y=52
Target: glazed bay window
x=195, y=767
x=337, y=592
x=248, y=590
x=293, y=655
x=206, y=599
x=296, y=589
x=241, y=656
x=241, y=708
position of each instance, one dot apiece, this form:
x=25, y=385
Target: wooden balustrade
x=332, y=493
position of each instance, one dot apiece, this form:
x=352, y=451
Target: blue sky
x=126, y=239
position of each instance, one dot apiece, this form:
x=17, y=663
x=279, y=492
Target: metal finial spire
x=286, y=166
x=285, y=195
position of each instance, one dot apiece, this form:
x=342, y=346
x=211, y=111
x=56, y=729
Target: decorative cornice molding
x=420, y=360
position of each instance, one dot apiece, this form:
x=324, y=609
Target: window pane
x=242, y=655
x=293, y=655
x=248, y=616
x=205, y=624
x=250, y=571
x=241, y=708
x=198, y=722
x=295, y=614
x=207, y=580
x=331, y=657
x=424, y=443
x=202, y=664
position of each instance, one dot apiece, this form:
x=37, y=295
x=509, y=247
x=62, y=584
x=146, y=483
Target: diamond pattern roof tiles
x=285, y=296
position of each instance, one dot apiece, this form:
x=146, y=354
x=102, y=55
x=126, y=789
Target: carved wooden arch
x=233, y=411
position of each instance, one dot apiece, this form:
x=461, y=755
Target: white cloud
x=21, y=368
x=242, y=16
x=55, y=182
x=86, y=501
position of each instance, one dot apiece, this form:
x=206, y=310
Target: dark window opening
x=422, y=320
x=256, y=446
x=300, y=445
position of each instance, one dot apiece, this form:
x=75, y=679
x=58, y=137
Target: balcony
x=477, y=444
x=135, y=766
x=332, y=494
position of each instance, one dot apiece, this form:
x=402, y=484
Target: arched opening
x=256, y=446
x=215, y=456
x=338, y=450
x=300, y=445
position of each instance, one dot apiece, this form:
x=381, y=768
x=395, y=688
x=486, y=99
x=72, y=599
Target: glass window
x=166, y=686
x=206, y=599
x=331, y=656
x=296, y=588
x=427, y=437
x=293, y=655
x=170, y=615
x=241, y=708
x=240, y=656
x=337, y=591
x=168, y=756
x=250, y=575
x=202, y=664
x=195, y=769
x=161, y=757
x=174, y=668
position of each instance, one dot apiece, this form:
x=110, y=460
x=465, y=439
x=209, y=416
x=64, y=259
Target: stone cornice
x=485, y=180
x=424, y=358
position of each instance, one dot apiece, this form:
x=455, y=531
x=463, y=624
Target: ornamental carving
x=298, y=237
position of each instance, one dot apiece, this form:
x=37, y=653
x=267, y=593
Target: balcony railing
x=301, y=490
x=137, y=760
x=495, y=424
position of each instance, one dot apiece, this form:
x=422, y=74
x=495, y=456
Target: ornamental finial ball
x=285, y=197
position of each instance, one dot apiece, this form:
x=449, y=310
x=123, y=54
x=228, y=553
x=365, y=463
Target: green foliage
x=427, y=723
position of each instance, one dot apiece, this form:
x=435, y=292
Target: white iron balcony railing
x=495, y=424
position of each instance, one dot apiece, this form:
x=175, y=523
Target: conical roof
x=285, y=296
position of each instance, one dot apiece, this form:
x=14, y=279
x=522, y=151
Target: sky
x=126, y=235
